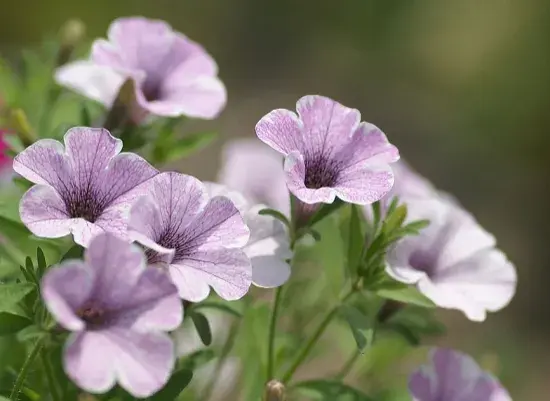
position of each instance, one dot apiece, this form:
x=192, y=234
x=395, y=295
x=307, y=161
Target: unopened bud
x=20, y=124
x=274, y=391
x=71, y=34
x=121, y=112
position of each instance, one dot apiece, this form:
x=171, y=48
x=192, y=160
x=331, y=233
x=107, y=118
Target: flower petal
x=454, y=376
x=485, y=281
x=295, y=174
x=97, y=82
x=265, y=183
x=282, y=130
x=44, y=162
x=368, y=146
x=228, y=271
x=180, y=199
x=118, y=266
x=43, y=212
x=327, y=124
x=364, y=186
x=219, y=225
x=85, y=363
x=64, y=290
x=236, y=197
x=205, y=97
x=142, y=362
x=135, y=43
x=153, y=304
x=268, y=249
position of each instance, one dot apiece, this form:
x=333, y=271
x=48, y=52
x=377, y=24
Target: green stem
x=302, y=355
x=25, y=370
x=348, y=366
x=52, y=383
x=272, y=332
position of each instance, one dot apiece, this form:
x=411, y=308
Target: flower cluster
x=155, y=241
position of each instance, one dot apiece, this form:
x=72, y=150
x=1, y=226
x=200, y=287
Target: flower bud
x=274, y=391
x=71, y=34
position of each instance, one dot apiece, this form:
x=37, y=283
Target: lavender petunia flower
x=454, y=376
x=117, y=310
x=257, y=172
x=453, y=261
x=84, y=188
x=197, y=239
x=174, y=76
x=268, y=246
x=329, y=153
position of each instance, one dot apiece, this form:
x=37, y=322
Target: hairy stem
x=304, y=352
x=50, y=377
x=272, y=332
x=25, y=370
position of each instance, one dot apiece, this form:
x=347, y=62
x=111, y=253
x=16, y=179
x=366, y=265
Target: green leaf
x=75, y=252
x=31, y=332
x=332, y=390
x=198, y=358
x=85, y=118
x=22, y=183
x=415, y=227
x=275, y=213
x=356, y=240
x=395, y=219
x=187, y=145
x=13, y=293
x=414, y=322
x=407, y=295
x=361, y=326
x=325, y=210
x=202, y=326
x=229, y=309
x=177, y=383
x=10, y=323
x=41, y=262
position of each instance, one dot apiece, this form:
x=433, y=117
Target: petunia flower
x=196, y=238
x=84, y=188
x=329, y=153
x=454, y=376
x=255, y=171
x=453, y=261
x=118, y=311
x=268, y=246
x=174, y=76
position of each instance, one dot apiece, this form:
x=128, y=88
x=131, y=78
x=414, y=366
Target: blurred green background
x=461, y=87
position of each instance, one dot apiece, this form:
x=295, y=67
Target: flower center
x=170, y=239
x=422, y=261
x=85, y=206
x=321, y=172
x=92, y=314
x=151, y=90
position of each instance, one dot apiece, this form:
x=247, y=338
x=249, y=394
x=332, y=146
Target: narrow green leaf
x=29, y=266
x=22, y=183
x=177, y=383
x=275, y=213
x=41, y=262
x=10, y=323
x=361, y=326
x=85, y=118
x=229, y=309
x=325, y=210
x=332, y=390
x=31, y=332
x=415, y=227
x=198, y=358
x=407, y=295
x=394, y=220
x=202, y=326
x=11, y=294
x=75, y=252
x=376, y=215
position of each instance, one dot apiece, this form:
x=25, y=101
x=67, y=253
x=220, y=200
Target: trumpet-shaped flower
x=83, y=188
x=118, y=311
x=198, y=239
x=329, y=153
